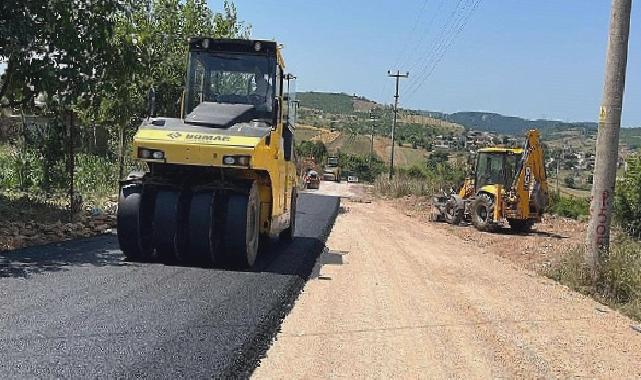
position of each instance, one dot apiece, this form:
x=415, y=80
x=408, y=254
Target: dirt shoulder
x=395, y=297
x=26, y=222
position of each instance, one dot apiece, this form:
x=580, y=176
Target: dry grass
x=619, y=281
x=401, y=186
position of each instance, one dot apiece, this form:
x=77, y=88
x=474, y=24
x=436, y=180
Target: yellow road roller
x=222, y=175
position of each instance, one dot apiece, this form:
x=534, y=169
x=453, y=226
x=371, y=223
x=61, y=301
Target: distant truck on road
x=332, y=170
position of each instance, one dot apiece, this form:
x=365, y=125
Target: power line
x=403, y=51
x=424, y=36
x=457, y=19
x=445, y=48
x=429, y=49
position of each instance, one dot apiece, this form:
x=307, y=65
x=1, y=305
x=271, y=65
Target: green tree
x=627, y=201
x=95, y=60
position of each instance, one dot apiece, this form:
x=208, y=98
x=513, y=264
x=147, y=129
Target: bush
x=619, y=280
x=627, y=201
x=569, y=207
x=95, y=176
x=402, y=185
x=360, y=166
x=421, y=182
x=27, y=172
x=569, y=182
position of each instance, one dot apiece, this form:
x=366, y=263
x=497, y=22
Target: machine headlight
x=243, y=160
x=148, y=154
x=144, y=153
x=236, y=160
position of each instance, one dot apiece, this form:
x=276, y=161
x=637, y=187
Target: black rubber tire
x=521, y=225
x=288, y=233
x=135, y=213
x=166, y=215
x=482, y=210
x=241, y=229
x=453, y=215
x=202, y=235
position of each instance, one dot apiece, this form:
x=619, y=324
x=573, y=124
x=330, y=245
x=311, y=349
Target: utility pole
x=558, y=165
x=372, y=118
x=598, y=233
x=398, y=77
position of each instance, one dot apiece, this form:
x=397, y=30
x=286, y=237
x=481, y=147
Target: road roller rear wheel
x=241, y=229
x=135, y=215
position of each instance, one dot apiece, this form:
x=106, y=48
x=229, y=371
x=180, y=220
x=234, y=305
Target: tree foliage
x=92, y=62
x=627, y=201
x=314, y=149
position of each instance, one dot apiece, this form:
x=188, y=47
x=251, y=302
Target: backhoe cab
x=222, y=174
x=509, y=184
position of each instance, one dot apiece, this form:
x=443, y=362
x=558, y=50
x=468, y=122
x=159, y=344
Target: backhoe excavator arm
x=531, y=181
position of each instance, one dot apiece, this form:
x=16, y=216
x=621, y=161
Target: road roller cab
x=223, y=173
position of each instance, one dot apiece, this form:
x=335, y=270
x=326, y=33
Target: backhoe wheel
x=241, y=229
x=483, y=213
x=288, y=233
x=453, y=215
x=167, y=219
x=202, y=232
x=521, y=225
x=135, y=213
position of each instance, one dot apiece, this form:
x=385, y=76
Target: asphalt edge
x=255, y=350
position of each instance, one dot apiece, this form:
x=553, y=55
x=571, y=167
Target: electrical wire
x=444, y=48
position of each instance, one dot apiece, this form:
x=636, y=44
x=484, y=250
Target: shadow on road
x=295, y=258
x=98, y=252
x=508, y=231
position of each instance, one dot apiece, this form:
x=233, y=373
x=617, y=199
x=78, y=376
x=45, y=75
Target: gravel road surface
x=396, y=298
x=78, y=310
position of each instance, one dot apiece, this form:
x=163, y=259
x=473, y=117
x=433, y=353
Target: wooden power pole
x=398, y=77
x=607, y=148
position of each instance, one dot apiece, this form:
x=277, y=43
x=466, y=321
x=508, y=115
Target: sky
x=533, y=59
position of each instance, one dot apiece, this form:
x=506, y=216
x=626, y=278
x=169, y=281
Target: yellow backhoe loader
x=222, y=174
x=509, y=185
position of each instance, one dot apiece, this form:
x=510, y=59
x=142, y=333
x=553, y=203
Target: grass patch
x=619, y=281
x=419, y=181
x=403, y=185
x=569, y=207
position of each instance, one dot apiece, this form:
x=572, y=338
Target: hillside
x=510, y=125
x=344, y=104
x=336, y=103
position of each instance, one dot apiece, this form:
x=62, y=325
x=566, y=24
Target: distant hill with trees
x=331, y=102
x=510, y=125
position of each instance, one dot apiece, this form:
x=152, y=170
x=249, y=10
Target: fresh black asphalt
x=78, y=310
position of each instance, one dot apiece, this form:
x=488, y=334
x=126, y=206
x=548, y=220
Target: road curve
x=78, y=310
